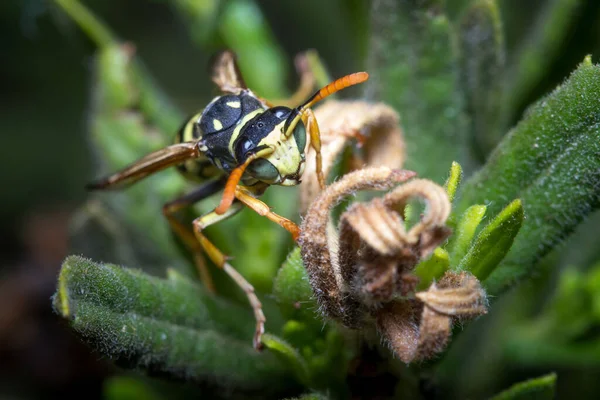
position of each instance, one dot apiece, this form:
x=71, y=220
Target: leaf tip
x=61, y=298
x=453, y=180
x=515, y=209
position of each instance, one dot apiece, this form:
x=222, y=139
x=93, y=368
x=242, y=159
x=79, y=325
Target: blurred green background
x=45, y=156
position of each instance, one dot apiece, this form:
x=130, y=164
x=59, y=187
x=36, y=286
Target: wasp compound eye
x=263, y=170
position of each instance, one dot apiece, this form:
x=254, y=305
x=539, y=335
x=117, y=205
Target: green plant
x=443, y=68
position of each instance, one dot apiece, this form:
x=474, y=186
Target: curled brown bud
x=431, y=230
x=374, y=125
x=456, y=295
x=362, y=272
x=319, y=242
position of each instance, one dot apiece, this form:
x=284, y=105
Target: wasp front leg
x=220, y=260
x=312, y=126
x=246, y=197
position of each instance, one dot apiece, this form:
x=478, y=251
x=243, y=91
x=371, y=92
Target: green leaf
x=541, y=388
x=433, y=268
x=414, y=68
x=292, y=289
x=493, y=242
x=482, y=60
x=128, y=388
x=167, y=326
x=551, y=161
x=461, y=239
x=290, y=355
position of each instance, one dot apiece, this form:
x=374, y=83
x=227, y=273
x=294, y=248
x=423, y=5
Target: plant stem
x=93, y=27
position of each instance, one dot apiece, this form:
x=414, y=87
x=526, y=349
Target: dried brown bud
x=374, y=125
x=369, y=260
x=456, y=295
x=419, y=332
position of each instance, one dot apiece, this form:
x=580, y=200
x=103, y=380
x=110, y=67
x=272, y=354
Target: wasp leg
x=185, y=233
x=220, y=261
x=309, y=120
x=245, y=196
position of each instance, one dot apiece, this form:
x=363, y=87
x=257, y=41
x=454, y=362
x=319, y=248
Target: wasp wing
x=226, y=73
x=149, y=164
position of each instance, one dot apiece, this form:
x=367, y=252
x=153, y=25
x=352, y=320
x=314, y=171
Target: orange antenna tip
x=336, y=86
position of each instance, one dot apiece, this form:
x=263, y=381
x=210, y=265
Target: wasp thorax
x=285, y=164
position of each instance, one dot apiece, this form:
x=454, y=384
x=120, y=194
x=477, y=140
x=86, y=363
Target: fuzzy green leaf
x=493, y=242
x=541, y=388
x=292, y=289
x=551, y=161
x=465, y=231
x=482, y=59
x=167, y=326
x=433, y=268
x=414, y=68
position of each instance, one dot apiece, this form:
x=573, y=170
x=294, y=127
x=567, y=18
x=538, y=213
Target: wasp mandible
x=242, y=144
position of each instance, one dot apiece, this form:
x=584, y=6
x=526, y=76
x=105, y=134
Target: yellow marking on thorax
x=188, y=131
x=233, y=104
x=217, y=124
x=238, y=128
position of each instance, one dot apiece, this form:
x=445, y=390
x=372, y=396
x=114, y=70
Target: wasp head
x=284, y=164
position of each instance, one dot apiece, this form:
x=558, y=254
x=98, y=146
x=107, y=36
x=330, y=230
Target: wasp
x=240, y=144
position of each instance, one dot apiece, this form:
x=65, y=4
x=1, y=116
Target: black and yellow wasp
x=241, y=144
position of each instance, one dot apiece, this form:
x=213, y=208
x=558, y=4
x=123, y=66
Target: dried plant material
x=319, y=242
x=413, y=332
x=456, y=295
x=374, y=125
x=376, y=252
x=431, y=230
x=397, y=324
x=363, y=272
x=420, y=331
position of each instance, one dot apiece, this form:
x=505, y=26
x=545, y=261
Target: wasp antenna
x=335, y=86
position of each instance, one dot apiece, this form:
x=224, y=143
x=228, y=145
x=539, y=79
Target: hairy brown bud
x=362, y=272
